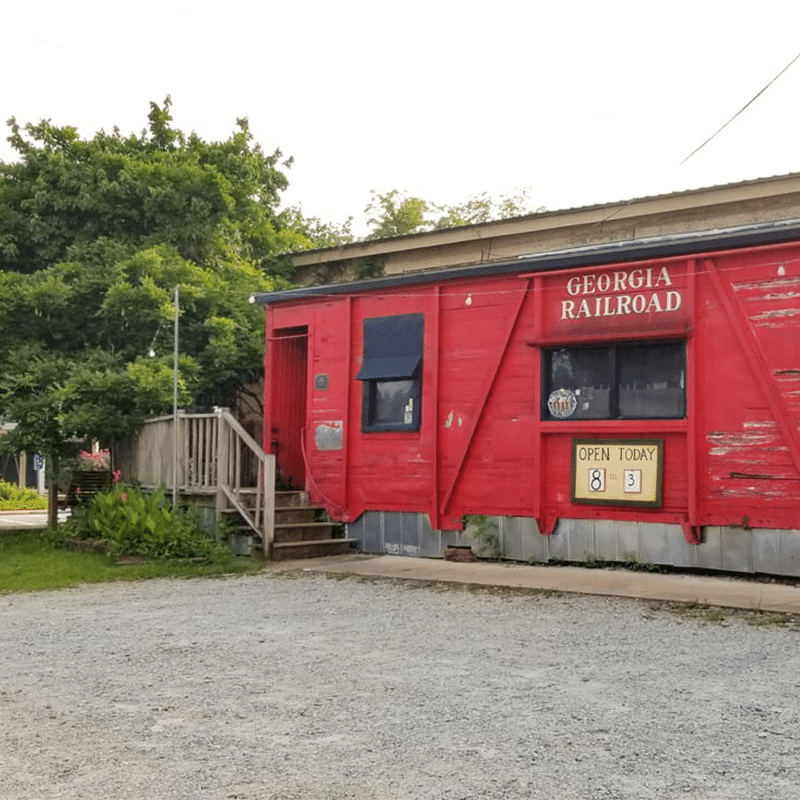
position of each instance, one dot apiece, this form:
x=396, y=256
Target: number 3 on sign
x=597, y=480
x=632, y=479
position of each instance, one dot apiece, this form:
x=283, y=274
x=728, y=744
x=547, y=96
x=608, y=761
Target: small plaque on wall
x=617, y=472
x=321, y=381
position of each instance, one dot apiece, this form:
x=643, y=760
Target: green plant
x=486, y=531
x=717, y=615
x=761, y=619
x=14, y=498
x=129, y=521
x=722, y=616
x=631, y=561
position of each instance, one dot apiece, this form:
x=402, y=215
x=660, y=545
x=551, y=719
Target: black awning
x=392, y=347
x=395, y=367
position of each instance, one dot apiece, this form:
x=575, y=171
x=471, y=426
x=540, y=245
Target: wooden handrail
x=226, y=415
x=210, y=461
x=229, y=490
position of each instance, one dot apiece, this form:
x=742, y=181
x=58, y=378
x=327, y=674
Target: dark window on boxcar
x=617, y=381
x=391, y=373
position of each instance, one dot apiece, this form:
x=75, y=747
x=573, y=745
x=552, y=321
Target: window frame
x=612, y=350
x=392, y=352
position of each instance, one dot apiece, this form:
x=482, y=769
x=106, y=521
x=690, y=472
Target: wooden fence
x=216, y=457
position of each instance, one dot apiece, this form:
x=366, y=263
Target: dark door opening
x=289, y=387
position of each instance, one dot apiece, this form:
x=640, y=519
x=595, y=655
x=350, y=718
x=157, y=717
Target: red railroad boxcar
x=636, y=401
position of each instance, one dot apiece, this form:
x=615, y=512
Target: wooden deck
x=211, y=455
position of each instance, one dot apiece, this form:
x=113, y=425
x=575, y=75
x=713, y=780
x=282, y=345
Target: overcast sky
x=577, y=102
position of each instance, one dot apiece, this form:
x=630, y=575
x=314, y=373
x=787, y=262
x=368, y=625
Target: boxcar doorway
x=288, y=382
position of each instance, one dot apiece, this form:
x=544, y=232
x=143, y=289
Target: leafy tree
x=94, y=236
x=484, y=208
x=209, y=200
x=312, y=233
x=395, y=213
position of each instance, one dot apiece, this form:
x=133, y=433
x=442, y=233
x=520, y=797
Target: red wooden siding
x=752, y=437
x=483, y=448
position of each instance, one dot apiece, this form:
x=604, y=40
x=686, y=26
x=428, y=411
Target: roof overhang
x=683, y=244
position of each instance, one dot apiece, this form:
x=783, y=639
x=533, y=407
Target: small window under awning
x=389, y=368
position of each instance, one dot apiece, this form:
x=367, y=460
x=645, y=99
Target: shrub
x=131, y=522
x=13, y=498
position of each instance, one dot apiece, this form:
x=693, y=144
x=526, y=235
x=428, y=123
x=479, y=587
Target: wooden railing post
x=222, y=464
x=268, y=470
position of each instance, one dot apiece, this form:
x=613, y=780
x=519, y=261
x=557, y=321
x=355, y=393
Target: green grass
x=30, y=560
x=715, y=615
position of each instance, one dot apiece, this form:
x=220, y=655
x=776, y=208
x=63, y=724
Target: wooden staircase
x=280, y=525
x=304, y=531
x=211, y=456
x=300, y=530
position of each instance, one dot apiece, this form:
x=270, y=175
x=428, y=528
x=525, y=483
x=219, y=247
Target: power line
x=745, y=106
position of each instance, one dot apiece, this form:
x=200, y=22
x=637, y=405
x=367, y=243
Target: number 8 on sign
x=597, y=480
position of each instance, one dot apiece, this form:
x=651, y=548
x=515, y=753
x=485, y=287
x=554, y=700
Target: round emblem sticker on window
x=562, y=403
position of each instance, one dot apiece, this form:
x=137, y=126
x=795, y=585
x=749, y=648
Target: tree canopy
x=94, y=236
x=396, y=213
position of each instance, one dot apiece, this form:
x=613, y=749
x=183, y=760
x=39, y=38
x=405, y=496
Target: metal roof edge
x=774, y=232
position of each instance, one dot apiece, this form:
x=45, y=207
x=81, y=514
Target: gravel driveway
x=310, y=687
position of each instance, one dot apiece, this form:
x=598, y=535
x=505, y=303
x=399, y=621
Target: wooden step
x=300, y=530
x=311, y=549
x=286, y=514
x=285, y=499
x=303, y=531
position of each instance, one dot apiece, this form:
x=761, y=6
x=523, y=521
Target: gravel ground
x=310, y=687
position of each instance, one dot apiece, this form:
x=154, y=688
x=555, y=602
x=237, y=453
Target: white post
x=41, y=487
